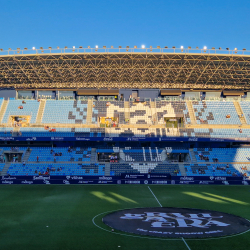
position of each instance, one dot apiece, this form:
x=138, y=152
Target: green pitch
x=61, y=217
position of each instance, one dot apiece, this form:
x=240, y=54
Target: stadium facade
x=125, y=115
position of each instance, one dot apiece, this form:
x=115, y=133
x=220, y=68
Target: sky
x=52, y=23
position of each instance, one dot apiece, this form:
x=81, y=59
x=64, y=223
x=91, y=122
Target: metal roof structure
x=162, y=68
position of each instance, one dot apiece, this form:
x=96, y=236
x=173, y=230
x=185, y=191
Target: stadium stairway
x=163, y=155
x=93, y=155
x=5, y=169
x=153, y=111
x=40, y=111
x=182, y=169
x=26, y=155
x=107, y=169
x=192, y=156
x=15, y=132
x=191, y=112
x=240, y=113
x=3, y=109
x=89, y=111
x=127, y=110
x=122, y=156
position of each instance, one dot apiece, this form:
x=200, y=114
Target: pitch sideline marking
x=161, y=206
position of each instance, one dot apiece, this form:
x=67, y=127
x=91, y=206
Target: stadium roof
x=204, y=69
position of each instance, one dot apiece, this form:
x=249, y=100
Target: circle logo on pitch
x=176, y=222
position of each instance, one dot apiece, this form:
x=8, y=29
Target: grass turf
x=60, y=217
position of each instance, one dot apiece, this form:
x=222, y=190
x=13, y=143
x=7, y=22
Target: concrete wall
x=142, y=93
x=7, y=93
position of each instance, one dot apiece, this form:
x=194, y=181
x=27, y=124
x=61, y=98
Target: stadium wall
x=7, y=93
x=142, y=93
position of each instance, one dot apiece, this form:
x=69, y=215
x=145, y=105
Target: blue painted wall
x=142, y=93
x=7, y=93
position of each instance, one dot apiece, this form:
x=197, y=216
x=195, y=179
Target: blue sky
x=212, y=23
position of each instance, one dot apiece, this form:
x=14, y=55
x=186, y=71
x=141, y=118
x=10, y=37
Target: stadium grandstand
x=117, y=111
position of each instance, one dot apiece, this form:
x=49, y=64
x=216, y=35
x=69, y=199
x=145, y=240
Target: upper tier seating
x=140, y=113
x=108, y=109
x=215, y=112
x=30, y=108
x=170, y=108
x=245, y=106
x=72, y=111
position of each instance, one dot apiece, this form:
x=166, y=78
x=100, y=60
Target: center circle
x=170, y=222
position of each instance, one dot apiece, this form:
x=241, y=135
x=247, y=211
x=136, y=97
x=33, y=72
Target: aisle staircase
x=107, y=169
x=192, y=156
x=240, y=113
x=89, y=111
x=182, y=169
x=153, y=112
x=3, y=109
x=5, y=169
x=127, y=110
x=93, y=155
x=26, y=155
x=40, y=112
x=191, y=112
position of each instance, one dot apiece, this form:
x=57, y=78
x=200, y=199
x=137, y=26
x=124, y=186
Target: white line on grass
x=186, y=244
x=154, y=196
x=161, y=206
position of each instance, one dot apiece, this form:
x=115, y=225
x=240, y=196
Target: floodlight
x=58, y=47
x=9, y=48
x=173, y=47
x=1, y=49
x=65, y=47
x=205, y=47
x=120, y=47
x=74, y=47
x=143, y=46
x=219, y=48
x=189, y=47
x=112, y=47
x=197, y=47
x=104, y=47
x=18, y=48
x=88, y=47
x=41, y=47
x=50, y=47
x=80, y=47
x=166, y=47
x=33, y=48
x=158, y=47
x=213, y=47
x=227, y=48
x=25, y=48
x=182, y=47
x=243, y=49
x=135, y=47
x=96, y=46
